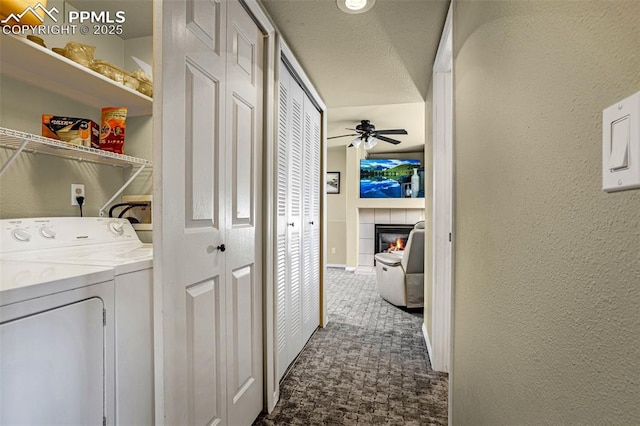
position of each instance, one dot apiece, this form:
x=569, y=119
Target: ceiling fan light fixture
x=356, y=142
x=370, y=142
x=355, y=6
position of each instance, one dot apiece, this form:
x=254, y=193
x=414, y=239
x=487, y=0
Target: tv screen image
x=389, y=178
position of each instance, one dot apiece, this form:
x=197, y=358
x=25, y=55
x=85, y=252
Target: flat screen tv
x=390, y=178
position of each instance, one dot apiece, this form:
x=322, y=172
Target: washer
x=111, y=243
x=56, y=343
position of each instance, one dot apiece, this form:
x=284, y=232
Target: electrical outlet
x=333, y=250
x=77, y=190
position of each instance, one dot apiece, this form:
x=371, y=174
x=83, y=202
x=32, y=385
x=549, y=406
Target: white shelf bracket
x=122, y=188
x=13, y=157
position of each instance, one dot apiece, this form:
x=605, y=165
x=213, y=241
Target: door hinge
x=449, y=236
x=104, y=319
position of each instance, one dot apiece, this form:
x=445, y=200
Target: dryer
x=111, y=243
x=56, y=344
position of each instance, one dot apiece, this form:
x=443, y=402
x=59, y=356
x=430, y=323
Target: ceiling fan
x=367, y=133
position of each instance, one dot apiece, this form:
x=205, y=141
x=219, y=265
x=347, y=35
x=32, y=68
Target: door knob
x=291, y=224
x=221, y=247
x=311, y=223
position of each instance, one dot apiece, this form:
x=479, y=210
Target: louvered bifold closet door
x=316, y=188
x=311, y=225
x=298, y=220
x=295, y=220
x=282, y=211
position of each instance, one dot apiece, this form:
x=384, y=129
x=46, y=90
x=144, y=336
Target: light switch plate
x=621, y=145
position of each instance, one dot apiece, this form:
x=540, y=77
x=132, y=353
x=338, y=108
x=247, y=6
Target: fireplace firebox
x=391, y=237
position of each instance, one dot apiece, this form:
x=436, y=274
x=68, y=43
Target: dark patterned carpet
x=368, y=366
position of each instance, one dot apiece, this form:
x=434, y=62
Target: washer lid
x=25, y=280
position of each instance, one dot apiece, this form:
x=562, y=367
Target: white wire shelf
x=14, y=139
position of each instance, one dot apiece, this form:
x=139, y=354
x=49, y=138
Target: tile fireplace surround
x=371, y=217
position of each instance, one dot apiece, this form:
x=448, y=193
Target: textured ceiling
x=383, y=56
x=375, y=60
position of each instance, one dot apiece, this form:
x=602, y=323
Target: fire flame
x=397, y=246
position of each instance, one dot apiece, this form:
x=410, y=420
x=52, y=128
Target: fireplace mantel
x=391, y=203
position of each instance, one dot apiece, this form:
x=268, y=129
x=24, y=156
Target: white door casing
x=243, y=204
x=202, y=125
x=442, y=201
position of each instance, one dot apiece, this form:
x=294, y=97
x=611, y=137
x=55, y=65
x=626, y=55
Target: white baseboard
x=276, y=398
x=335, y=265
x=427, y=342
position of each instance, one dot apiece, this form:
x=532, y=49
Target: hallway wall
x=337, y=208
x=547, y=281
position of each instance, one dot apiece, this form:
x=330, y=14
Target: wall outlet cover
x=77, y=190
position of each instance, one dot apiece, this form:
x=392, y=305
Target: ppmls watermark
x=75, y=22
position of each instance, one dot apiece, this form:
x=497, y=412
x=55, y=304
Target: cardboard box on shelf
x=76, y=131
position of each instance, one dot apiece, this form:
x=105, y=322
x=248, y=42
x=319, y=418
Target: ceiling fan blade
x=392, y=132
x=386, y=139
x=343, y=136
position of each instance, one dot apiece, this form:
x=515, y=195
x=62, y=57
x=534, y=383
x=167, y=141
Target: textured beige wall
x=337, y=208
x=547, y=281
x=40, y=185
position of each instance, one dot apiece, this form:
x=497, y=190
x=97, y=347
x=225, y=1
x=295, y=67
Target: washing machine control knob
x=48, y=233
x=116, y=227
x=21, y=235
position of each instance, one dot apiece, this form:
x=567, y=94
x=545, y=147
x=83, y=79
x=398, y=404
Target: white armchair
x=400, y=277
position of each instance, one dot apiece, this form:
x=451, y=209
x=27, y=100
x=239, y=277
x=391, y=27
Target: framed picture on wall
x=333, y=182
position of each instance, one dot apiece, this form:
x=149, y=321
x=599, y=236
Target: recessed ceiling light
x=355, y=6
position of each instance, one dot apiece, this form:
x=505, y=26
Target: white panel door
x=190, y=134
x=243, y=204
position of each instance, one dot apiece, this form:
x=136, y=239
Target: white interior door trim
x=272, y=52
x=299, y=73
x=443, y=207
x=442, y=281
